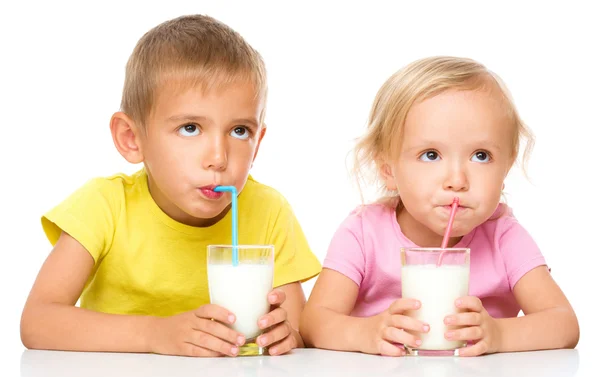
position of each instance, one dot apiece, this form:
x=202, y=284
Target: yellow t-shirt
x=148, y=263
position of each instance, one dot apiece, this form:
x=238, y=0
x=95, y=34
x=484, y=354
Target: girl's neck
x=419, y=233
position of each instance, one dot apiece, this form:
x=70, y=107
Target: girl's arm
x=50, y=319
x=549, y=321
x=325, y=321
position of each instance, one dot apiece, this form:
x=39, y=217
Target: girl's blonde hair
x=418, y=81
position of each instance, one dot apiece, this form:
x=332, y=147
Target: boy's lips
x=208, y=191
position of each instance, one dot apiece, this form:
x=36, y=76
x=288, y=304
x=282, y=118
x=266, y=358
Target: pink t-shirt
x=366, y=249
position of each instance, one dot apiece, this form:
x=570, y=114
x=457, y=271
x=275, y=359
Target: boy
x=134, y=247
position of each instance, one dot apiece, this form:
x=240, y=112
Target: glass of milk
x=243, y=288
x=437, y=287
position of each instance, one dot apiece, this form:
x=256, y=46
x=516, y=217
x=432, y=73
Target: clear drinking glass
x=437, y=287
x=243, y=288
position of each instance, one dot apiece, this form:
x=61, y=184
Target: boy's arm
x=549, y=321
x=50, y=319
x=293, y=305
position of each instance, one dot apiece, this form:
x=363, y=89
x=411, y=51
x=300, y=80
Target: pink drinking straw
x=448, y=230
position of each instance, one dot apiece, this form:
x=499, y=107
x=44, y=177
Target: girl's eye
x=481, y=156
x=429, y=156
x=240, y=132
x=189, y=130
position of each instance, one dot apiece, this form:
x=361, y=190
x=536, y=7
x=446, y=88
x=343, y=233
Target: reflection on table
x=302, y=362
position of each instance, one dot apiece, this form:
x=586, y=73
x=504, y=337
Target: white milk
x=243, y=290
x=437, y=288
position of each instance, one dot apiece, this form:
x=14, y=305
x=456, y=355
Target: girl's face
x=455, y=144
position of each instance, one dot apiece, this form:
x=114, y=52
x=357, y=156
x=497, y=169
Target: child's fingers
x=219, y=330
x=276, y=297
x=388, y=349
x=193, y=350
x=467, y=333
x=407, y=323
x=394, y=335
x=212, y=343
x=284, y=346
x=477, y=349
x=272, y=318
x=470, y=303
x=401, y=305
x=275, y=335
x=218, y=313
x=464, y=319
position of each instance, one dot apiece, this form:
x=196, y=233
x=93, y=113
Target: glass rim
x=437, y=249
x=249, y=247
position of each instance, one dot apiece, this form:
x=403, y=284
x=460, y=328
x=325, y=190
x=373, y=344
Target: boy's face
x=196, y=140
x=455, y=144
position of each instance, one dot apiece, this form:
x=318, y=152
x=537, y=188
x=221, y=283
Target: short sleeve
x=87, y=215
x=520, y=252
x=346, y=252
x=294, y=260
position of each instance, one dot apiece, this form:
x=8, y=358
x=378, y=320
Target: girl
x=440, y=128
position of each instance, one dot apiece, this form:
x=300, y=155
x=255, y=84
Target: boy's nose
x=216, y=158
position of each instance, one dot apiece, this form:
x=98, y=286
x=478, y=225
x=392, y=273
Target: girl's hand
x=474, y=325
x=391, y=327
x=280, y=334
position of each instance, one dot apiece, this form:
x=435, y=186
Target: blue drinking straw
x=234, y=222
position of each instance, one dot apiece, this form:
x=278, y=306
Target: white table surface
x=302, y=362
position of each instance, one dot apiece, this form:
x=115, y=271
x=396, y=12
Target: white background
x=62, y=68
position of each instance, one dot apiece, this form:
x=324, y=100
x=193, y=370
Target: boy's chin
x=208, y=214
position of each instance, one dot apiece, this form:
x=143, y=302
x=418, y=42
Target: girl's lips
x=208, y=192
x=458, y=209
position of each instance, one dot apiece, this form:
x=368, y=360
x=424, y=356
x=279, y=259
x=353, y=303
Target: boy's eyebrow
x=247, y=121
x=186, y=117
x=196, y=118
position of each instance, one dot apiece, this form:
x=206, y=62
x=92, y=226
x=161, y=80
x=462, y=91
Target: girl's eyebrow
x=487, y=144
x=424, y=144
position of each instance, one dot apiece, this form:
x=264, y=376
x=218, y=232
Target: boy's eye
x=429, y=156
x=481, y=156
x=189, y=130
x=240, y=132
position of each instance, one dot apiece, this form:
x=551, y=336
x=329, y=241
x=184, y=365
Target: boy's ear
x=263, y=130
x=126, y=137
x=387, y=175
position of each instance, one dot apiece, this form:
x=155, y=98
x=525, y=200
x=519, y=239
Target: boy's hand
x=200, y=332
x=477, y=325
x=280, y=336
x=391, y=327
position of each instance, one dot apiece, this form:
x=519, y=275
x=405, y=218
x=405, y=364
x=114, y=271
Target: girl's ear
x=387, y=175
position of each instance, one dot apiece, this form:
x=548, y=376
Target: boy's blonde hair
x=188, y=51
x=418, y=81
